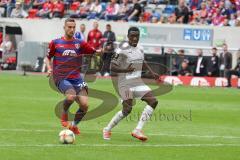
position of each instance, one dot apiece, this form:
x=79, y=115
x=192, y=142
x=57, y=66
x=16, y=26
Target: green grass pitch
x=207, y=127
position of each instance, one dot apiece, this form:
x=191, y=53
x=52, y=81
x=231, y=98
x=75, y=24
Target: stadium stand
x=195, y=12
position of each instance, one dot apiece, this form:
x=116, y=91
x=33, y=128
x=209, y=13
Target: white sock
x=118, y=117
x=146, y=115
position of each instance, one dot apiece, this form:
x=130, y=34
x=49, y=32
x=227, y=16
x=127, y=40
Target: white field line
x=121, y=145
x=127, y=133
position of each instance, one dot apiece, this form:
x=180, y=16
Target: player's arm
x=48, y=58
x=154, y=74
x=116, y=64
x=87, y=49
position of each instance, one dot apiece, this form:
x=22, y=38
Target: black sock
x=78, y=116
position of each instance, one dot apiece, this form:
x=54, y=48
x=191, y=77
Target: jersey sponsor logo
x=173, y=80
x=199, y=82
x=221, y=82
x=77, y=46
x=69, y=52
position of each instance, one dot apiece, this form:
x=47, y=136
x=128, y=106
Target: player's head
x=199, y=52
x=225, y=47
x=133, y=36
x=108, y=27
x=95, y=25
x=82, y=28
x=69, y=27
x=214, y=51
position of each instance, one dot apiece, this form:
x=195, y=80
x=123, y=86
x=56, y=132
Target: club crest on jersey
x=77, y=46
x=69, y=52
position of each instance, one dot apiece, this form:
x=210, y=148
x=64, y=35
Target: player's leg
x=127, y=108
x=70, y=96
x=146, y=115
x=82, y=100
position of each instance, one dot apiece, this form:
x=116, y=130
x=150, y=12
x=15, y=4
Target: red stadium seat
x=146, y=16
x=32, y=13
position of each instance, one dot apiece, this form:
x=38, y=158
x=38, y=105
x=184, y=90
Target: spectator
x=203, y=11
x=95, y=10
x=185, y=70
x=18, y=12
x=178, y=61
x=47, y=10
x=195, y=4
x=110, y=38
x=155, y=17
x=10, y=6
x=80, y=35
x=95, y=40
x=213, y=67
x=124, y=10
x=3, y=8
x=38, y=4
x=226, y=23
x=84, y=10
x=95, y=36
x=112, y=11
x=200, y=65
x=6, y=46
x=74, y=7
x=182, y=12
x=109, y=35
x=58, y=9
x=232, y=21
x=217, y=19
x=235, y=71
x=135, y=12
x=225, y=61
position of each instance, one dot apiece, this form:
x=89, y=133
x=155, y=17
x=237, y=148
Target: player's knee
x=84, y=107
x=70, y=98
x=127, y=107
x=153, y=103
x=127, y=110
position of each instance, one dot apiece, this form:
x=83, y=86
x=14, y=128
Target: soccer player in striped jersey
x=67, y=53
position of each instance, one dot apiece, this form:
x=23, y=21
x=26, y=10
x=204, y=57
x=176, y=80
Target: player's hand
x=49, y=72
x=99, y=51
x=130, y=68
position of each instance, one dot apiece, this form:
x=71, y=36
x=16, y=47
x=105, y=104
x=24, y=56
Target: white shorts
x=127, y=92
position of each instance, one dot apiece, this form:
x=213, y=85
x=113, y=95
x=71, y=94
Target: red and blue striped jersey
x=67, y=57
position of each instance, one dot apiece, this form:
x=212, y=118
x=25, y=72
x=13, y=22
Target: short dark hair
x=108, y=25
x=69, y=20
x=133, y=29
x=181, y=50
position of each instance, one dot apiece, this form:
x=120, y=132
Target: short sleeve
x=118, y=58
x=51, y=50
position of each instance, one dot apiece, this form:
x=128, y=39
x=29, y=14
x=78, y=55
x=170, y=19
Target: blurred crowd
x=195, y=12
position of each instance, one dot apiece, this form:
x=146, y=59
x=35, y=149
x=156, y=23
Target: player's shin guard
x=146, y=115
x=78, y=116
x=118, y=117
